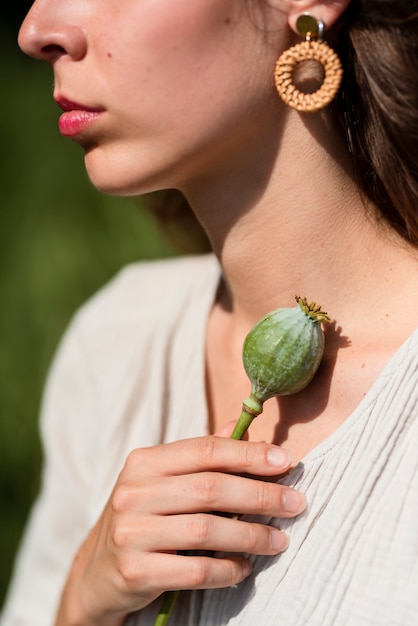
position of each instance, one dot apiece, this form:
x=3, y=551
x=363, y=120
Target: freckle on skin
x=228, y=21
x=109, y=55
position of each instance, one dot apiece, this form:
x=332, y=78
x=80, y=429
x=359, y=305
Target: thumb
x=226, y=431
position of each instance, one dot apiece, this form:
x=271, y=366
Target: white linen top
x=130, y=373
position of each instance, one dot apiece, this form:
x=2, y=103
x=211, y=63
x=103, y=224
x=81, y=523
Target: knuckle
x=120, y=537
x=249, y=455
x=263, y=496
x=135, y=459
x=206, y=448
x=252, y=538
x=206, y=489
x=199, y=572
x=130, y=575
x=199, y=529
x=121, y=498
x=232, y=574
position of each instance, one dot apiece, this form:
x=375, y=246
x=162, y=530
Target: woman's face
x=158, y=92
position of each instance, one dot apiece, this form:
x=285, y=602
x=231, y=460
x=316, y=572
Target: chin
x=117, y=177
x=110, y=187
x=114, y=183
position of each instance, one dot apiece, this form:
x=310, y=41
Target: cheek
x=178, y=45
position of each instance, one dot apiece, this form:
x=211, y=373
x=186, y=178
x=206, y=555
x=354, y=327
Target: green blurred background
x=60, y=240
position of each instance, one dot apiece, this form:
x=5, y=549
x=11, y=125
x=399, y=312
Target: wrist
x=77, y=606
x=72, y=613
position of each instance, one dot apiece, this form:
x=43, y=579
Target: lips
x=76, y=118
x=68, y=105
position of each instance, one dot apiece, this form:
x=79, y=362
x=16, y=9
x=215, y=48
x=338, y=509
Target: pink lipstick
x=76, y=117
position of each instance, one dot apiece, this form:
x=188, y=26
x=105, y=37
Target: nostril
x=52, y=50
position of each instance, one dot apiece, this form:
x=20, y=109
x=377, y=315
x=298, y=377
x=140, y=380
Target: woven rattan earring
x=313, y=48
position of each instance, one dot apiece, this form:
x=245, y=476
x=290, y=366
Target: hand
x=162, y=504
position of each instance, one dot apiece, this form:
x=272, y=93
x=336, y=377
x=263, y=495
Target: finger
x=212, y=491
x=209, y=453
x=176, y=572
x=209, y=532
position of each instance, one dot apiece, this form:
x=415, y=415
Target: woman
x=181, y=95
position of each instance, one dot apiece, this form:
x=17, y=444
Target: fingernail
x=278, y=457
x=293, y=501
x=279, y=541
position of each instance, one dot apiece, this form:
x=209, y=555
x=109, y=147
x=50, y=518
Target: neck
x=302, y=229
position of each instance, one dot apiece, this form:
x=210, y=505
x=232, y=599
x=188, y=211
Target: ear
x=329, y=11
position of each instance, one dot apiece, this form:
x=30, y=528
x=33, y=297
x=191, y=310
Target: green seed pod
x=281, y=355
x=283, y=350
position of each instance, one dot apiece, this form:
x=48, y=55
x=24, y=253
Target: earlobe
x=328, y=11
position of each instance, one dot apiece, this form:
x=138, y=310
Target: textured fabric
x=130, y=373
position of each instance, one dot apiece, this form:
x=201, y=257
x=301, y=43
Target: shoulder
x=148, y=290
x=141, y=310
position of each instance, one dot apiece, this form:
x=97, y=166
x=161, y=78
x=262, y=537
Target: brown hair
x=378, y=105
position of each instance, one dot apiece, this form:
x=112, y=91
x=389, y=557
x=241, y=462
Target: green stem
x=242, y=425
x=167, y=606
x=250, y=409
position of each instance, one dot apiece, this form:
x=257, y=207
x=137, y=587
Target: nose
x=50, y=31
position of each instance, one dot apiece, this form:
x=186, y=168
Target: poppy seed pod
x=281, y=355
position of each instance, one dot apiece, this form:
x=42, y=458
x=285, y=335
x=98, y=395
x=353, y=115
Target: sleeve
x=57, y=524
